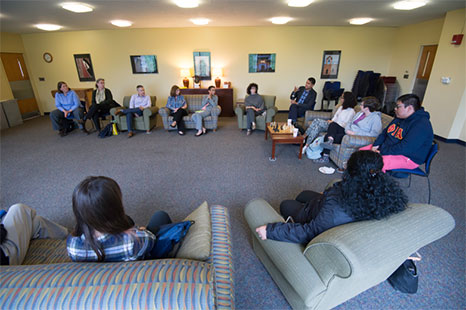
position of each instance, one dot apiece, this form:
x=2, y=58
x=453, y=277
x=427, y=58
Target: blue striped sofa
x=194, y=104
x=48, y=280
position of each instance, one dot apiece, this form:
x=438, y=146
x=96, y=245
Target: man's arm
x=413, y=139
x=131, y=102
x=146, y=103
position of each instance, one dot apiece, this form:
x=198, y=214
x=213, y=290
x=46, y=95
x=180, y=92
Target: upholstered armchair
x=261, y=120
x=146, y=122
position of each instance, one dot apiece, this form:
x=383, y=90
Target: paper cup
x=289, y=122
x=295, y=132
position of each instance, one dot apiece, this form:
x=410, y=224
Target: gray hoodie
x=370, y=126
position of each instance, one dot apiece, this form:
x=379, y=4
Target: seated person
x=254, y=104
x=103, y=231
x=302, y=99
x=137, y=104
x=365, y=193
x=102, y=102
x=177, y=106
x=208, y=102
x=367, y=122
x=21, y=224
x=342, y=116
x=68, y=108
x=407, y=140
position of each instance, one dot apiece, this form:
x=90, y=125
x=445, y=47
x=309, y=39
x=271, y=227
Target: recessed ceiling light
x=299, y=3
x=48, y=27
x=77, y=7
x=121, y=23
x=409, y=5
x=360, y=21
x=280, y=20
x=200, y=21
x=187, y=4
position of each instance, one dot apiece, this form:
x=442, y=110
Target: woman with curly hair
x=365, y=193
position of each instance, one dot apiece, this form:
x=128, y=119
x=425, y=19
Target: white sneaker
x=305, y=148
x=327, y=170
x=253, y=125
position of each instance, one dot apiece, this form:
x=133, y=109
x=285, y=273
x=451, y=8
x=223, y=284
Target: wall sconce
x=185, y=73
x=218, y=72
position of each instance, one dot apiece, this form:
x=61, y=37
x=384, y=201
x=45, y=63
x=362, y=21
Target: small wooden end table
x=283, y=136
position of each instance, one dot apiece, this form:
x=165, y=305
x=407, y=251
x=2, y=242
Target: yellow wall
x=299, y=55
x=446, y=102
x=9, y=43
x=407, y=47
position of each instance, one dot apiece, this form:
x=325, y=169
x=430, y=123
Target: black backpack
x=106, y=132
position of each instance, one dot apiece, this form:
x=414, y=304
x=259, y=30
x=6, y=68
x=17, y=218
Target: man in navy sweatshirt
x=406, y=141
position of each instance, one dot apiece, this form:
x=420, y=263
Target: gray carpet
x=176, y=174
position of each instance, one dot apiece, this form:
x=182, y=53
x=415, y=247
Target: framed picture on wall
x=84, y=66
x=261, y=63
x=144, y=64
x=330, y=64
x=202, y=65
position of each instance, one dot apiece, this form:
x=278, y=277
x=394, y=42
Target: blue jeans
x=59, y=121
x=298, y=110
x=129, y=116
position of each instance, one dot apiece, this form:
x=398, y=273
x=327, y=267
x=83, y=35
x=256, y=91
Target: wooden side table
x=283, y=138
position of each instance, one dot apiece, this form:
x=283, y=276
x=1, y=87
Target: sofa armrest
x=271, y=112
x=150, y=111
x=240, y=110
x=287, y=257
x=350, y=141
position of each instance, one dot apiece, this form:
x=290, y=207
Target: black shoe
x=62, y=133
x=181, y=133
x=85, y=131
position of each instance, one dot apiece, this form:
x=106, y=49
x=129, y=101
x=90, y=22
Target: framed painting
x=202, y=65
x=330, y=64
x=144, y=64
x=84, y=67
x=261, y=63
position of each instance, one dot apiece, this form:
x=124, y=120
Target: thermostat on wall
x=446, y=80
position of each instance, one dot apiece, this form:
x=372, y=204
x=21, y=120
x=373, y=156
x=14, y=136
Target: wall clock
x=47, y=57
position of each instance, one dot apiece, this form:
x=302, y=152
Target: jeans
x=59, y=122
x=129, y=116
x=197, y=118
x=303, y=209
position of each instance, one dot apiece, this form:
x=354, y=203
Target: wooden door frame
x=418, y=62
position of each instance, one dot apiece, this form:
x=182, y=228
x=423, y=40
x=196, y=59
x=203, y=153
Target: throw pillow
x=197, y=242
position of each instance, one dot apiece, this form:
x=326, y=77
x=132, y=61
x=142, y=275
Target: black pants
x=178, y=118
x=336, y=131
x=303, y=209
x=97, y=110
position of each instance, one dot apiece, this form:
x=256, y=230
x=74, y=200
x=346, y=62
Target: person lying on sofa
x=365, y=193
x=367, y=122
x=208, y=103
x=103, y=231
x=406, y=141
x=19, y=226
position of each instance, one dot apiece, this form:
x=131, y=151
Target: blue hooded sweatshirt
x=411, y=137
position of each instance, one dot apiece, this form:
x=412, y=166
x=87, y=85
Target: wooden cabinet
x=225, y=98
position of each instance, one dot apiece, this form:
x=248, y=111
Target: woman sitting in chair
x=365, y=193
x=342, y=116
x=367, y=122
x=102, y=102
x=208, y=103
x=254, y=104
x=177, y=106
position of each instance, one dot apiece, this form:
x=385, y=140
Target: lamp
x=218, y=72
x=185, y=73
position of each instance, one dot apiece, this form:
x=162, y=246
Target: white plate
x=327, y=170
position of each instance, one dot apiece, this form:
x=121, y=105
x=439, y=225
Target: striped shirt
x=133, y=244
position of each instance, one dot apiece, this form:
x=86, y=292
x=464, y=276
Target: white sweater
x=342, y=117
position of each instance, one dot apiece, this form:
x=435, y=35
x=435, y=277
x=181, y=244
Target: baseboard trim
x=456, y=141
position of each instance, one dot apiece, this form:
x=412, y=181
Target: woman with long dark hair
x=103, y=231
x=365, y=193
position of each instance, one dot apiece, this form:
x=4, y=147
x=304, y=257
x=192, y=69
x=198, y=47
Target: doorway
x=21, y=87
x=424, y=69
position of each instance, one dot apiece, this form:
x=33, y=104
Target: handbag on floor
x=405, y=279
x=107, y=131
x=315, y=148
